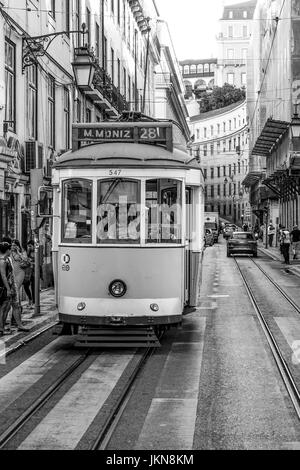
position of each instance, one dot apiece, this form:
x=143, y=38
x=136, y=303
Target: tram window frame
x=87, y=239
x=120, y=241
x=160, y=225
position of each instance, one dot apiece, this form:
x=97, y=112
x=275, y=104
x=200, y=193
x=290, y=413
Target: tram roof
x=126, y=154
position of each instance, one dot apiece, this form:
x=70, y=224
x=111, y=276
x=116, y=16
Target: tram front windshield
x=118, y=211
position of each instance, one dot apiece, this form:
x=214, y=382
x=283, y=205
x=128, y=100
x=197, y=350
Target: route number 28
x=149, y=133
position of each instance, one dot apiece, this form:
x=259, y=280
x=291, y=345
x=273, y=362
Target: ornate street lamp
x=295, y=128
x=83, y=68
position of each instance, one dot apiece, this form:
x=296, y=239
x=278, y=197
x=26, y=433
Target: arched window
x=193, y=68
x=186, y=69
x=200, y=68
x=206, y=68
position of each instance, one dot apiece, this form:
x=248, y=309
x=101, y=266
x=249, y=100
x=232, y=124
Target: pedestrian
x=9, y=298
x=20, y=264
x=29, y=280
x=5, y=291
x=285, y=243
x=245, y=227
x=295, y=239
x=271, y=233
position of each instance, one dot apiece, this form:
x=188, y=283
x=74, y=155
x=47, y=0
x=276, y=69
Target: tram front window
x=77, y=211
x=118, y=211
x=163, y=211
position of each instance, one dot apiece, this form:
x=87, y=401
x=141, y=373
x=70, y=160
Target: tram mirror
x=45, y=200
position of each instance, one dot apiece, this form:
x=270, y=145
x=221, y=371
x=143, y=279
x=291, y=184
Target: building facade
x=233, y=42
x=40, y=98
x=273, y=98
x=220, y=140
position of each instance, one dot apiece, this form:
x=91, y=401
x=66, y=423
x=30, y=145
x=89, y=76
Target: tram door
x=188, y=236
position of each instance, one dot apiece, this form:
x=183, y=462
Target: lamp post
x=83, y=68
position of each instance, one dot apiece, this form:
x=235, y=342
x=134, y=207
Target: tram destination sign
x=159, y=133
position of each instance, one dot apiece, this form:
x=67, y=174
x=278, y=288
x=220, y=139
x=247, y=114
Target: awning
x=252, y=178
x=270, y=137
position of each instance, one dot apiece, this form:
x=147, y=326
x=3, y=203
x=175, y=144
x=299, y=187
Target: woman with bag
x=20, y=263
x=5, y=290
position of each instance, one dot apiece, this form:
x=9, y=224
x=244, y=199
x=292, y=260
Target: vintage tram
x=127, y=231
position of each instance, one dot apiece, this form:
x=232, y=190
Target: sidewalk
x=274, y=253
x=48, y=315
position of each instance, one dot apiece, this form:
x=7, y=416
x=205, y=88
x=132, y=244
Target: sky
x=193, y=25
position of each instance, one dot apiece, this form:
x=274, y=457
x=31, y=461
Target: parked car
x=209, y=237
x=242, y=243
x=228, y=230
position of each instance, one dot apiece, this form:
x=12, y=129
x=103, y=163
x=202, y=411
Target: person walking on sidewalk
x=295, y=239
x=285, y=243
x=271, y=233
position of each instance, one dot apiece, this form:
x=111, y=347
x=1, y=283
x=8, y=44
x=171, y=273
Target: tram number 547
x=114, y=172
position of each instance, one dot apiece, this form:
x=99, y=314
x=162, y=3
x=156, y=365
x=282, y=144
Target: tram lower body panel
x=154, y=280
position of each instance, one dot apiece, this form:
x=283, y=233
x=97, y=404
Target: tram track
x=281, y=363
x=105, y=434
x=30, y=412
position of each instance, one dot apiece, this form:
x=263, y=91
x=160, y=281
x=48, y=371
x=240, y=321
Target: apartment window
x=119, y=74
x=212, y=130
x=119, y=11
x=224, y=145
x=78, y=109
x=245, y=31
x=218, y=147
x=198, y=134
x=224, y=126
x=229, y=189
x=218, y=171
x=230, y=78
x=51, y=111
x=67, y=27
x=205, y=191
x=219, y=190
x=31, y=76
x=200, y=68
x=245, y=14
x=234, y=189
x=97, y=40
x=230, y=54
x=52, y=8
x=212, y=172
x=67, y=117
x=105, y=52
x=239, y=167
x=112, y=5
x=205, y=173
x=88, y=24
x=77, y=21
x=88, y=115
x=206, y=68
x=243, y=79
x=10, y=84
x=124, y=82
x=230, y=16
x=224, y=190
x=224, y=209
x=224, y=170
x=230, y=31
x=229, y=145
x=234, y=122
x=212, y=191
x=234, y=144
x=218, y=128
x=205, y=132
x=229, y=170
x=205, y=150
x=230, y=124
x=234, y=168
x=112, y=68
x=211, y=149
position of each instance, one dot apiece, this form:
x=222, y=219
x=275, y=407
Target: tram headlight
x=154, y=307
x=117, y=288
x=81, y=306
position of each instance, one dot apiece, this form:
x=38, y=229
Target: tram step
x=117, y=338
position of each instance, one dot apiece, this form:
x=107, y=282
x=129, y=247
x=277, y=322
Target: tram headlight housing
x=117, y=288
x=154, y=307
x=81, y=306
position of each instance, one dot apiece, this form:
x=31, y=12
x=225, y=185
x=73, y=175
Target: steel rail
x=279, y=359
x=104, y=436
x=27, y=339
x=282, y=292
x=14, y=428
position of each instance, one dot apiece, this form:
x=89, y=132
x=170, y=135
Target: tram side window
x=163, y=211
x=77, y=211
x=118, y=211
